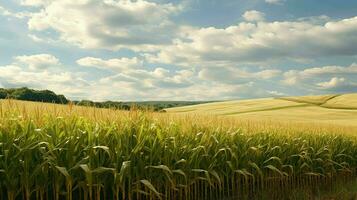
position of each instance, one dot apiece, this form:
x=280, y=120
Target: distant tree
x=36, y=95
x=21, y=94
x=27, y=94
x=124, y=107
x=3, y=93
x=62, y=99
x=86, y=103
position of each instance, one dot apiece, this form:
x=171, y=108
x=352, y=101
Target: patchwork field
x=331, y=109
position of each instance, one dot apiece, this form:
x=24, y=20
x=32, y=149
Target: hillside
x=333, y=109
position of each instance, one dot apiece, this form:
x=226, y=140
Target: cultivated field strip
x=328, y=109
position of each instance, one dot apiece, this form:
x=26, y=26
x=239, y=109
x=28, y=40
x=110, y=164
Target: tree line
x=27, y=94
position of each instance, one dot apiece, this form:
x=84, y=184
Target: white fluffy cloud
x=135, y=83
x=293, y=77
x=60, y=82
x=337, y=79
x=113, y=64
x=337, y=84
x=334, y=82
x=236, y=75
x=17, y=76
x=133, y=70
x=262, y=42
x=254, y=16
x=36, y=71
x=109, y=24
x=39, y=61
x=117, y=25
x=213, y=56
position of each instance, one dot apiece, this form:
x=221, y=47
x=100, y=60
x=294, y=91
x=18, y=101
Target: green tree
x=3, y=93
x=36, y=95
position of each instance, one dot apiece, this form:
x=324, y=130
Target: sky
x=137, y=50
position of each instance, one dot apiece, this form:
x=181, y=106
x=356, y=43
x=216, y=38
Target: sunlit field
x=50, y=151
x=325, y=109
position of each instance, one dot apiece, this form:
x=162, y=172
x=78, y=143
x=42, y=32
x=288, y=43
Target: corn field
x=139, y=155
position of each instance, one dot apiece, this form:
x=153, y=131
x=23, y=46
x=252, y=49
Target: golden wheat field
x=327, y=109
x=50, y=151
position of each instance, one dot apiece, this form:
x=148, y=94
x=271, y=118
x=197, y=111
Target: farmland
x=244, y=151
x=327, y=109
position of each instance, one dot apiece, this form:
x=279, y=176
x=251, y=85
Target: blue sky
x=179, y=50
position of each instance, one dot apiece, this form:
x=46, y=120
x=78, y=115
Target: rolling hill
x=334, y=109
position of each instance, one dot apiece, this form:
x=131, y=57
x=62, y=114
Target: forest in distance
x=27, y=94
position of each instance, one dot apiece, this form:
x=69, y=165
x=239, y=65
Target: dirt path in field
x=319, y=104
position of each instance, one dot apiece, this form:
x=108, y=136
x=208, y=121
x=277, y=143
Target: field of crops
x=56, y=152
x=327, y=109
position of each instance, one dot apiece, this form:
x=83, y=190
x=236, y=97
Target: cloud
x=38, y=71
x=39, y=61
x=320, y=19
x=61, y=82
x=339, y=79
x=141, y=84
x=17, y=76
x=117, y=25
x=133, y=71
x=267, y=74
x=260, y=43
x=133, y=80
x=276, y=93
x=235, y=75
x=35, y=3
x=113, y=64
x=278, y=2
x=337, y=84
x=254, y=16
x=159, y=78
x=19, y=15
x=293, y=77
x=138, y=25
x=334, y=82
x=36, y=38
x=41, y=71
x=135, y=83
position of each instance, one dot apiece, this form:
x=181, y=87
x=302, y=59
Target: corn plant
x=141, y=156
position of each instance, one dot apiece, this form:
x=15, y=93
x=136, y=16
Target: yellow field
x=347, y=101
x=70, y=152
x=331, y=109
x=251, y=116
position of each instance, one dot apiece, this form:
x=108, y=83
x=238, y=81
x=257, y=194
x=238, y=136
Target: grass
x=69, y=152
x=327, y=109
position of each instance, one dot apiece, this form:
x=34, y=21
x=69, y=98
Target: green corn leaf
x=151, y=187
x=180, y=172
x=63, y=171
x=274, y=169
x=104, y=148
x=85, y=168
x=101, y=170
x=162, y=167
